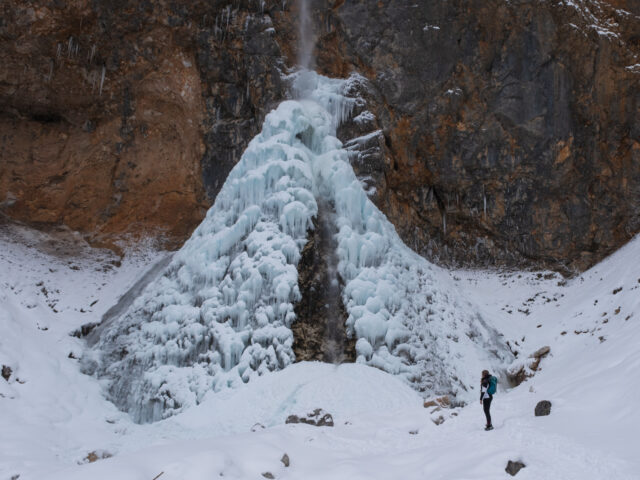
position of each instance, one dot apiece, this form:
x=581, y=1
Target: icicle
x=93, y=52
x=104, y=70
x=70, y=47
x=59, y=51
x=484, y=202
x=444, y=222
x=51, y=62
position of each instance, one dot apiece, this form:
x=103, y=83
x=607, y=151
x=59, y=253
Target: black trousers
x=486, y=405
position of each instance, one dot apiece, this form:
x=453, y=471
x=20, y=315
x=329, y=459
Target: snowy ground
x=52, y=416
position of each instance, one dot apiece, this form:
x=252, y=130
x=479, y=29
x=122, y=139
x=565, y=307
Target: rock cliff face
x=511, y=128
x=499, y=132
x=122, y=118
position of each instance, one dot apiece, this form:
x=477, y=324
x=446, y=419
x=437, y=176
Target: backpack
x=493, y=384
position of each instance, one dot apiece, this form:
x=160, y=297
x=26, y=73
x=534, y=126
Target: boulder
x=285, y=460
x=6, y=372
x=514, y=467
x=543, y=408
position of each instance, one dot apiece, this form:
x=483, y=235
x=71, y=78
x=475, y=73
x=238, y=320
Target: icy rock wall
x=222, y=311
x=406, y=313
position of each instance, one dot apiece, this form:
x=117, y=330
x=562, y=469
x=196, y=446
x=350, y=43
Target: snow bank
x=52, y=421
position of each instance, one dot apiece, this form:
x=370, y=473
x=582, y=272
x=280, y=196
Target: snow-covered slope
x=53, y=420
x=221, y=313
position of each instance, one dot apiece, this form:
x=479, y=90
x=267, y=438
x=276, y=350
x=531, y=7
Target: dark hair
x=485, y=373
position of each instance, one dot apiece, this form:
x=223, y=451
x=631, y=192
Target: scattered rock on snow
x=438, y=421
x=514, y=467
x=95, y=456
x=285, y=460
x=318, y=418
x=522, y=369
x=439, y=402
x=268, y=475
x=257, y=427
x=543, y=408
x=541, y=352
x=84, y=330
x=6, y=372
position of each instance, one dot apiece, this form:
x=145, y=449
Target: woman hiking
x=487, y=389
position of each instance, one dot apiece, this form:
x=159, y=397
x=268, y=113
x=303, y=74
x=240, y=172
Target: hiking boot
x=488, y=427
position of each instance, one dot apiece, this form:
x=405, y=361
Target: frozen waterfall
x=221, y=312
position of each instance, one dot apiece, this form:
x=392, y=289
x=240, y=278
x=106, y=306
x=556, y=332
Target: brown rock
x=510, y=129
x=442, y=402
x=120, y=120
x=95, y=456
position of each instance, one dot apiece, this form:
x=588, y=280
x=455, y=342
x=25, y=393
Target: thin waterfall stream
x=320, y=332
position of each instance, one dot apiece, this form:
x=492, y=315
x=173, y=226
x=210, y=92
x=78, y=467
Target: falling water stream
x=306, y=36
x=334, y=337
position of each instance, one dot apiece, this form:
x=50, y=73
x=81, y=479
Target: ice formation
x=221, y=312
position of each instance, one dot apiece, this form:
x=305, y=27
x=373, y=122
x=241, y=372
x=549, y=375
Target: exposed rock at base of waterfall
x=319, y=332
x=317, y=418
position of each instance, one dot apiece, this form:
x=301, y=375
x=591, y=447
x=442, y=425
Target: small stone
x=292, y=419
x=543, y=408
x=92, y=457
x=514, y=467
x=285, y=460
x=95, y=456
x=268, y=475
x=438, y=421
x=6, y=372
x=257, y=427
